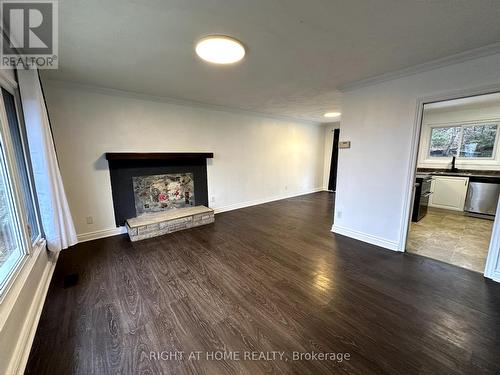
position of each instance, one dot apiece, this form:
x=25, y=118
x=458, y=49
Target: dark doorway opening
x=332, y=182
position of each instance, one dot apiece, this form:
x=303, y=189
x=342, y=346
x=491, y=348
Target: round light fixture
x=332, y=114
x=220, y=49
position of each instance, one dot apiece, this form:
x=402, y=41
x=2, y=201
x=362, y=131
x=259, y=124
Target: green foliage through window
x=466, y=141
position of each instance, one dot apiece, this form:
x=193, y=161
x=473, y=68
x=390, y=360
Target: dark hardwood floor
x=265, y=278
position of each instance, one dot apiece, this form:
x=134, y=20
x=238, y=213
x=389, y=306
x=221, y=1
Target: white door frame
x=492, y=269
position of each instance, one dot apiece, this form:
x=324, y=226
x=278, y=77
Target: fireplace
x=148, y=183
x=163, y=192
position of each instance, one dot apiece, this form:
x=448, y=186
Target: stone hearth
x=157, y=224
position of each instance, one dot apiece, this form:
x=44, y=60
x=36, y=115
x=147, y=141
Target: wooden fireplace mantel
x=158, y=155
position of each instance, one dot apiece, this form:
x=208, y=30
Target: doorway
x=332, y=180
x=457, y=181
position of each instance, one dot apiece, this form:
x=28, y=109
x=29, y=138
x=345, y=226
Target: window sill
x=16, y=284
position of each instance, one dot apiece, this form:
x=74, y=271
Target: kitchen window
x=468, y=141
x=19, y=221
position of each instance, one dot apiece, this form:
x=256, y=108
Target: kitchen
x=457, y=182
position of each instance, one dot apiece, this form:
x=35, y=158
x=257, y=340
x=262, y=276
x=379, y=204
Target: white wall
x=379, y=121
x=255, y=159
x=328, y=129
x=456, y=116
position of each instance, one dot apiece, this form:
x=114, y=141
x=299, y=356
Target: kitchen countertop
x=493, y=176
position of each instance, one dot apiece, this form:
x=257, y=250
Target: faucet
x=453, y=168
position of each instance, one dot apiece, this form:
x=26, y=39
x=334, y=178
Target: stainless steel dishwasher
x=482, y=199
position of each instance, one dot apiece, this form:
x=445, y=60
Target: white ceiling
x=299, y=51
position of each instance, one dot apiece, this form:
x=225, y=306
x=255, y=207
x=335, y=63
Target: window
x=444, y=141
x=464, y=141
x=23, y=166
x=19, y=223
x=11, y=251
x=478, y=141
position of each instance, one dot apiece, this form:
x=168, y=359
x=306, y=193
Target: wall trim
x=84, y=237
x=476, y=53
x=21, y=353
x=7, y=81
x=95, y=235
x=256, y=202
x=365, y=237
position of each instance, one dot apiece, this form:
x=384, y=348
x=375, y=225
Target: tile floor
x=451, y=237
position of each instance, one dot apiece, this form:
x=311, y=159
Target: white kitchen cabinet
x=449, y=192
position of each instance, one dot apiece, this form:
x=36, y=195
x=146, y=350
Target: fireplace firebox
x=178, y=179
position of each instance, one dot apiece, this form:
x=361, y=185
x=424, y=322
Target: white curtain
x=54, y=210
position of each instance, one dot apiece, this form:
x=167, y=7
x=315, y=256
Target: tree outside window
x=465, y=141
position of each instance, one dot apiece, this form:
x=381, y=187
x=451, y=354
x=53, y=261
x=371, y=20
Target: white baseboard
x=256, y=202
x=19, y=359
x=101, y=234
x=121, y=230
x=369, y=238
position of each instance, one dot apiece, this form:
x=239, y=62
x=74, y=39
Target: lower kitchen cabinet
x=449, y=192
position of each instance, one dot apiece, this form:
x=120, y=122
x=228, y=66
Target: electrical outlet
x=286, y=187
x=212, y=199
x=90, y=220
x=339, y=214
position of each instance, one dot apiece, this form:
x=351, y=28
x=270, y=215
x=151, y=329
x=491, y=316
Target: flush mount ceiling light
x=332, y=114
x=220, y=49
